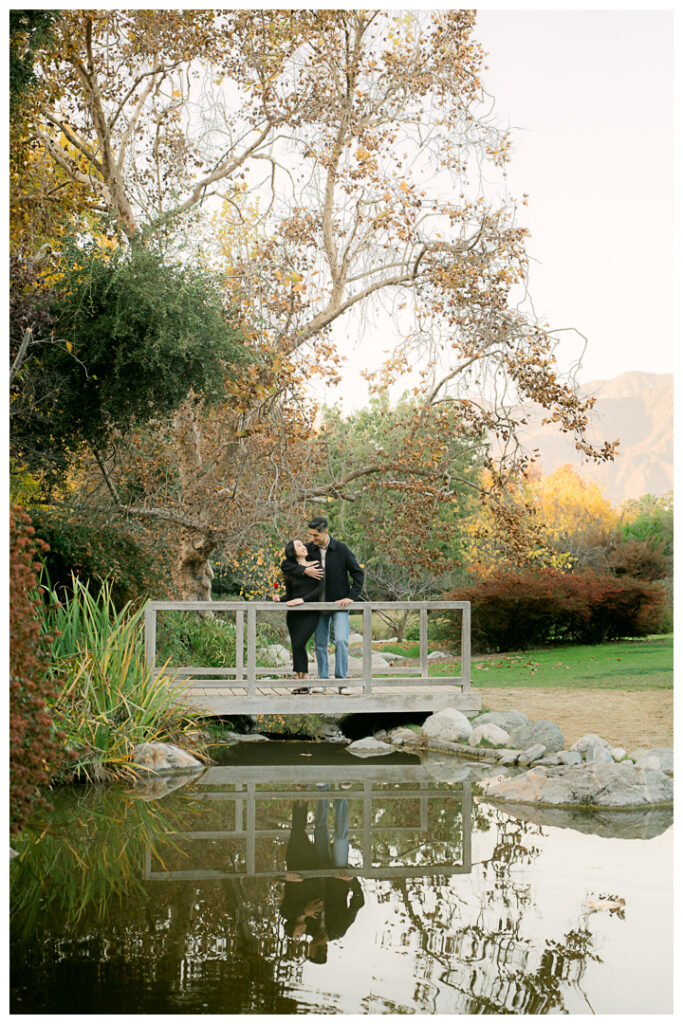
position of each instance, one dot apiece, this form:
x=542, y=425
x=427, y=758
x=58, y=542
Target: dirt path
x=624, y=719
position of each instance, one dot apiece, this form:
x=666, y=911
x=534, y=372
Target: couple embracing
x=320, y=571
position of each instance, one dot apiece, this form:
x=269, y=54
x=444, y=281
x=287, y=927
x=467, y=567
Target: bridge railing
x=245, y=673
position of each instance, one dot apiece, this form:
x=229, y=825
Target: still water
x=318, y=883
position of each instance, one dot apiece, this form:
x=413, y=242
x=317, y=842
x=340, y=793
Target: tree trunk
x=401, y=625
x=193, y=574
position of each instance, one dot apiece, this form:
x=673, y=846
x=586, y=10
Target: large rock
x=660, y=758
x=247, y=737
x=164, y=757
x=449, y=724
x=508, y=720
x=508, y=757
x=355, y=638
x=403, y=737
x=532, y=753
x=377, y=661
x=586, y=785
x=569, y=757
x=278, y=655
x=547, y=733
x=369, y=747
x=593, y=749
x=436, y=655
x=491, y=733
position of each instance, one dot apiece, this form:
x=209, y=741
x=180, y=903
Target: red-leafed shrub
x=514, y=609
x=34, y=749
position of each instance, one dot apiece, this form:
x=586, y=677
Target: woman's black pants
x=301, y=626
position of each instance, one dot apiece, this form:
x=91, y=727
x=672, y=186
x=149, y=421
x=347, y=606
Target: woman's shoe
x=346, y=690
x=301, y=689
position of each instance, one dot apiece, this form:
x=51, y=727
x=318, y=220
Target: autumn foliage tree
x=347, y=152
x=35, y=750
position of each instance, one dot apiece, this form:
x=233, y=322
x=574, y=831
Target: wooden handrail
x=248, y=676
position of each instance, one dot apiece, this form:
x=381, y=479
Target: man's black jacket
x=340, y=563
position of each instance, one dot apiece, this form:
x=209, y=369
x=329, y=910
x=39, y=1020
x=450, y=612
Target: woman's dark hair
x=290, y=552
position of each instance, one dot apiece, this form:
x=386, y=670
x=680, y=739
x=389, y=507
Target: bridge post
x=466, y=647
x=150, y=635
x=424, y=649
x=239, y=644
x=367, y=650
x=251, y=651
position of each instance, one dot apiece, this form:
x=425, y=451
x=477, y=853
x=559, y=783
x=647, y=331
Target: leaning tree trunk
x=193, y=574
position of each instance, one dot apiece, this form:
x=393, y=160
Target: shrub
x=134, y=560
x=109, y=700
x=514, y=609
x=190, y=639
x=35, y=749
x=185, y=638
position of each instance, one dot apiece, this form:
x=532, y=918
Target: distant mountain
x=634, y=408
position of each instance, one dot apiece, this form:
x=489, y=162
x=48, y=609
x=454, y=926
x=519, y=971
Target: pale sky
x=590, y=96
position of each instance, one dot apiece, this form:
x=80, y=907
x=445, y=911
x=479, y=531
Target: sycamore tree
x=409, y=539
x=321, y=161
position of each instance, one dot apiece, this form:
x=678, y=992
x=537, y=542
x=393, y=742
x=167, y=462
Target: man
x=338, y=563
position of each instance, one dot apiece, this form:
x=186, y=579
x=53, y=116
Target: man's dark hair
x=318, y=523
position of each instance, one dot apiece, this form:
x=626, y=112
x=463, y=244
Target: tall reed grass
x=109, y=700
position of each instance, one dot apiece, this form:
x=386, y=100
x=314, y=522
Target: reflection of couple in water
x=320, y=571
x=322, y=907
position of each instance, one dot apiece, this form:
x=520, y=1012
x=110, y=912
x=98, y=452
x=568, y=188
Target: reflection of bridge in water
x=368, y=790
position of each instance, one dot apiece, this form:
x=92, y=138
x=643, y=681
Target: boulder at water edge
x=586, y=785
x=547, y=733
x=164, y=757
x=369, y=747
x=403, y=737
x=593, y=749
x=491, y=733
x=508, y=720
x=449, y=725
x=659, y=757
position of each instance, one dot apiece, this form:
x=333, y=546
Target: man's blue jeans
x=340, y=627
x=338, y=850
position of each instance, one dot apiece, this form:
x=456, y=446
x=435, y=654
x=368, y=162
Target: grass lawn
x=645, y=664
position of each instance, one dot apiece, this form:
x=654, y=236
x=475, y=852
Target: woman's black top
x=302, y=586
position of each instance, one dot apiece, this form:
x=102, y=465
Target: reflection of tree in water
x=218, y=945
x=493, y=967
x=86, y=925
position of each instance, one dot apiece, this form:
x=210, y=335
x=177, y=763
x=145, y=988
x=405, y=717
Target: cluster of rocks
x=590, y=773
x=280, y=656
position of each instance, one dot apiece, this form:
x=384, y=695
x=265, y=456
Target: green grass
x=645, y=664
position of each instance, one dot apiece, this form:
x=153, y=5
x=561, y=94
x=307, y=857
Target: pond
x=295, y=878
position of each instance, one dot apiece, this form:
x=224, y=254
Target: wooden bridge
x=247, y=849
x=248, y=688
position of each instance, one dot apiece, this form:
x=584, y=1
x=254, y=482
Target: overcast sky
x=590, y=96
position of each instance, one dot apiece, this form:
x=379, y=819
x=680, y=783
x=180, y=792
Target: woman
x=300, y=590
